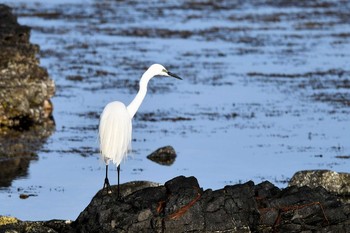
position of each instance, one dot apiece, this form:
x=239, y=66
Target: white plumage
x=115, y=129
x=115, y=132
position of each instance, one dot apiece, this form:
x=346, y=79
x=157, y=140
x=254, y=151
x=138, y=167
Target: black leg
x=106, y=184
x=118, y=170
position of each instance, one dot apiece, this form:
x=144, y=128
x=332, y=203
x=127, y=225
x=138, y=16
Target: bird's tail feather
x=115, y=132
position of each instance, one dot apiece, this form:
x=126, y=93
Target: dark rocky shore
x=25, y=92
x=26, y=88
x=180, y=205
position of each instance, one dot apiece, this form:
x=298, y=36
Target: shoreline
x=182, y=205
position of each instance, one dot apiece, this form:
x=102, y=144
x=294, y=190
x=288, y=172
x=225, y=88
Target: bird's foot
x=107, y=186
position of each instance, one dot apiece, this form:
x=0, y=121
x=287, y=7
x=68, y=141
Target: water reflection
x=19, y=147
x=14, y=168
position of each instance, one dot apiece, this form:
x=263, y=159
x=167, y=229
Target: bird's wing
x=115, y=131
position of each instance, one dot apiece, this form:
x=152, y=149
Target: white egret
x=115, y=127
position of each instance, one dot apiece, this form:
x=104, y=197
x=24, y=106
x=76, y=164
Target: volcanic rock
x=180, y=205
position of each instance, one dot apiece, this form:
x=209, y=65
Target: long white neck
x=135, y=104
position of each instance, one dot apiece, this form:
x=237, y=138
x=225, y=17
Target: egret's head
x=158, y=69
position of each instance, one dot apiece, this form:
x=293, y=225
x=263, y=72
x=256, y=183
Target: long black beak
x=174, y=75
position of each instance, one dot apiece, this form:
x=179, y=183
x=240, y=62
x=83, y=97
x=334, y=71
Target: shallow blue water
x=258, y=87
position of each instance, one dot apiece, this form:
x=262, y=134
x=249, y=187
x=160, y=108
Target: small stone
x=165, y=156
x=23, y=196
x=113, y=224
x=144, y=215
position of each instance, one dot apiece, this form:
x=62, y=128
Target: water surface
x=265, y=93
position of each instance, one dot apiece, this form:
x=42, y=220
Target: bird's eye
x=165, y=71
